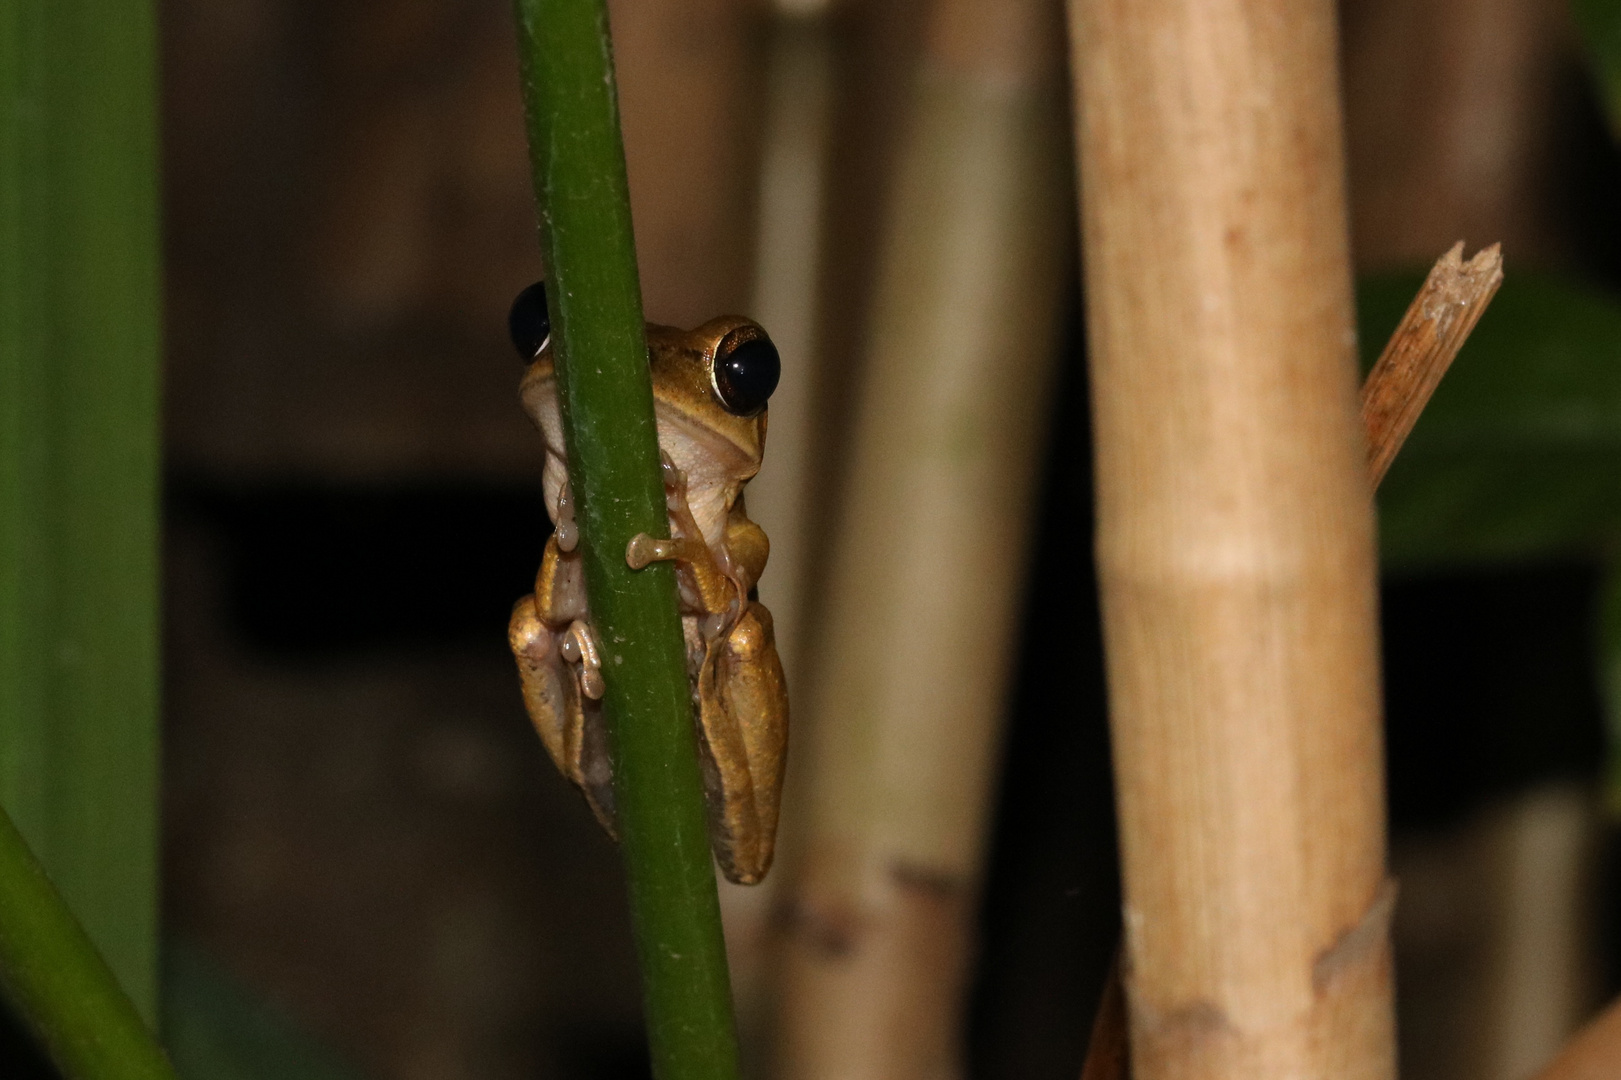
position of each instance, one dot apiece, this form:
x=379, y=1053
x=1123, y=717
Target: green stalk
x=597, y=333
x=79, y=345
x=52, y=972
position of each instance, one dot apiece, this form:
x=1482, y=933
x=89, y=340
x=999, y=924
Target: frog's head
x=710, y=387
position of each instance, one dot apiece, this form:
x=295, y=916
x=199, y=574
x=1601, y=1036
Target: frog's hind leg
x=568, y=721
x=743, y=728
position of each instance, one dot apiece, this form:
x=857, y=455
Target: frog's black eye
x=528, y=323
x=746, y=373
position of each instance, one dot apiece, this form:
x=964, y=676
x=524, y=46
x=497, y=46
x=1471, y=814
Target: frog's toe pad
x=579, y=648
x=644, y=550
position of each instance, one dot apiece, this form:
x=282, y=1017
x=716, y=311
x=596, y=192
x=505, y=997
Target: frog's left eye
x=745, y=373
x=528, y=322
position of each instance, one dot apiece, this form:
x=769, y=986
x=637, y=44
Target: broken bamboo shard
x=1418, y=354
x=1235, y=540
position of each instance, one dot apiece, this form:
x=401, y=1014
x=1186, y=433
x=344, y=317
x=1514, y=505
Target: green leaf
x=1599, y=24
x=79, y=348
x=53, y=974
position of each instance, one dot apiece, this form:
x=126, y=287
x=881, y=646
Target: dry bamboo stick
x=794, y=151
x=1235, y=540
x=1595, y=1052
x=902, y=719
x=1435, y=327
x=1395, y=392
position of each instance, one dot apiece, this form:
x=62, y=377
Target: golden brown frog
x=710, y=387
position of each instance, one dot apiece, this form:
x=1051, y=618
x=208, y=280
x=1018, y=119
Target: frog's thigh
x=748, y=546
x=743, y=711
x=549, y=693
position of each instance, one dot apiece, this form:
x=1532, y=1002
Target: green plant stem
x=54, y=975
x=79, y=344
x=600, y=345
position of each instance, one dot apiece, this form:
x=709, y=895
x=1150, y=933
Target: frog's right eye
x=745, y=372
x=528, y=322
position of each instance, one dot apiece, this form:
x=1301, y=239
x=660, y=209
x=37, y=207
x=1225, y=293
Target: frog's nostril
x=528, y=322
x=746, y=375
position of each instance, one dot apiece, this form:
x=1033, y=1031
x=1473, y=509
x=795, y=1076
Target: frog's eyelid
x=724, y=348
x=711, y=362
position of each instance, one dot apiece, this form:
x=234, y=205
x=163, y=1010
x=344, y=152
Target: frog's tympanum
x=710, y=387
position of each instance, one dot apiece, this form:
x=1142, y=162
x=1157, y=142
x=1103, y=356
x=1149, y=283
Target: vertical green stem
x=598, y=337
x=79, y=344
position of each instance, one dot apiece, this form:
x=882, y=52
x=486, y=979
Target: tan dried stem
x=1414, y=360
x=1418, y=354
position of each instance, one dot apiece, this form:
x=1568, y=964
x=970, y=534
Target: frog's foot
x=566, y=529
x=567, y=716
x=552, y=706
x=579, y=648
x=644, y=550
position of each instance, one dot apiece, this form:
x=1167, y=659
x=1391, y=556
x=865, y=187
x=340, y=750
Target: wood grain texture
x=1235, y=544
x=1395, y=392
x=1423, y=346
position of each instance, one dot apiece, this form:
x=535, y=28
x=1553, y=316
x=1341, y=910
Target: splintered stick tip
x=1418, y=354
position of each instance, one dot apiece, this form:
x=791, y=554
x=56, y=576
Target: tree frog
x=710, y=387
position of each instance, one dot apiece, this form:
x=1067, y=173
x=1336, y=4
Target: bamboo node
x=1198, y=1023
x=941, y=886
x=829, y=931
x=1365, y=941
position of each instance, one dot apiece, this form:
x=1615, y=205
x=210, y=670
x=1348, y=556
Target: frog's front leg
x=709, y=585
x=561, y=674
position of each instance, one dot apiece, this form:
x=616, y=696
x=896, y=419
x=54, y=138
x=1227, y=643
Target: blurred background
x=369, y=867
